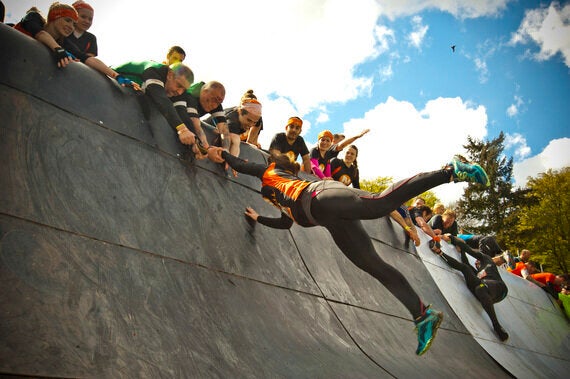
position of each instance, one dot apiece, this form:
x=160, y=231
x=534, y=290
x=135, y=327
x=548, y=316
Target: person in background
x=549, y=282
x=241, y=119
x=175, y=54
x=564, y=299
x=251, y=136
x=486, y=244
x=418, y=201
x=420, y=216
x=438, y=209
x=85, y=41
x=133, y=70
x=337, y=137
x=444, y=224
x=524, y=256
x=291, y=143
x=161, y=85
x=53, y=33
x=322, y=154
x=200, y=99
x=346, y=170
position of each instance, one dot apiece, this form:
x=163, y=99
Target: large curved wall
x=120, y=259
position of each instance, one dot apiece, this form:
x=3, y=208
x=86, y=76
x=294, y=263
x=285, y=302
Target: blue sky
x=384, y=65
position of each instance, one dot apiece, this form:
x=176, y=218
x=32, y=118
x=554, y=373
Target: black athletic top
x=279, y=142
x=344, y=174
x=87, y=42
x=153, y=85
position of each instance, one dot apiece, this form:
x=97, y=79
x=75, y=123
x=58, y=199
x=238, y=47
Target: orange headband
x=295, y=121
x=82, y=5
x=54, y=14
x=325, y=133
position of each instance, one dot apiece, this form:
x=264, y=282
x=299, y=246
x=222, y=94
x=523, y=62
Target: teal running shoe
x=464, y=171
x=427, y=329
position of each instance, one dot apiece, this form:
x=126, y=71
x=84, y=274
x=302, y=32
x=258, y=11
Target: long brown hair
x=283, y=162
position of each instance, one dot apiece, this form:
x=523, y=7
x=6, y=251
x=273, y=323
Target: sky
x=386, y=65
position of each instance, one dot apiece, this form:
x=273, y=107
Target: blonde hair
x=438, y=208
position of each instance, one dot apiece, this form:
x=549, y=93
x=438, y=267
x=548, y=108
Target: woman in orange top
x=339, y=209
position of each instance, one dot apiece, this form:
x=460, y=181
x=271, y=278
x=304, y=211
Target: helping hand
x=63, y=57
x=123, y=81
x=215, y=154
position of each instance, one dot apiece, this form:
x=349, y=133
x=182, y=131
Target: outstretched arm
x=347, y=141
x=219, y=155
x=424, y=226
x=410, y=229
x=283, y=222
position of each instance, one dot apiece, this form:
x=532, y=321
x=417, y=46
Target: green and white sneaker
x=464, y=171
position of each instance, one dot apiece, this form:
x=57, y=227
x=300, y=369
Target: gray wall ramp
x=119, y=259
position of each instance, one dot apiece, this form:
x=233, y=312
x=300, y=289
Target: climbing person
x=339, y=209
x=484, y=281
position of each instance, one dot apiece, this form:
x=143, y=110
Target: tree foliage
x=382, y=182
x=544, y=221
x=376, y=185
x=488, y=210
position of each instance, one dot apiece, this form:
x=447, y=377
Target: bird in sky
x=453, y=48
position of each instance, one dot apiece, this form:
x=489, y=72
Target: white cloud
x=384, y=37
x=517, y=143
x=322, y=117
x=514, y=108
x=462, y=9
x=386, y=73
x=549, y=28
x=481, y=67
x=404, y=140
x=554, y=156
x=416, y=37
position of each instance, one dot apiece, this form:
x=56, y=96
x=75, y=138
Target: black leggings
x=486, y=291
x=339, y=209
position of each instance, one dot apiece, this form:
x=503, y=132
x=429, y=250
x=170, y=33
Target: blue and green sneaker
x=464, y=171
x=427, y=328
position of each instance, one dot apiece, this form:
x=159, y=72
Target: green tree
x=544, y=223
x=376, y=185
x=382, y=182
x=490, y=210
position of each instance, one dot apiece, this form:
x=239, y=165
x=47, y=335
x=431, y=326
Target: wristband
x=180, y=127
x=407, y=228
x=122, y=80
x=436, y=238
x=61, y=53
